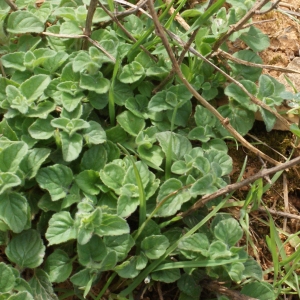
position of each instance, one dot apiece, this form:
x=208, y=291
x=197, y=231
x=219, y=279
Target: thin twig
x=178, y=17
x=266, y=145
x=64, y=36
x=12, y=5
x=235, y=186
x=251, y=64
x=273, y=6
x=89, y=22
x=279, y=213
x=79, y=36
x=286, y=200
x=224, y=122
x=258, y=22
x=2, y=69
x=134, y=8
x=96, y=44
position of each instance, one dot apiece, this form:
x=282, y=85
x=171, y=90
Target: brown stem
x=89, y=22
x=12, y=5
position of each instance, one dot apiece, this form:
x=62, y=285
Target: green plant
x=85, y=143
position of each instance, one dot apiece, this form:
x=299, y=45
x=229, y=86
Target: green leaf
x=34, y=87
x=94, y=83
x=89, y=182
x=132, y=72
x=109, y=261
x=166, y=276
x=197, y=242
x=223, y=160
x=33, y=161
x=240, y=118
x=260, y=290
x=16, y=100
x=53, y=63
x=56, y=180
x=14, y=60
x=26, y=249
x=173, y=195
x=268, y=118
x=112, y=225
x=94, y=134
x=23, y=22
x=232, y=90
x=128, y=201
x=235, y=271
x=70, y=102
x=138, y=105
x=218, y=249
x=58, y=266
x=82, y=278
x=11, y=156
x=7, y=181
x=41, y=129
x=180, y=144
x=250, y=73
x=14, y=211
x=255, y=39
x=252, y=269
x=91, y=252
x=189, y=286
x=204, y=186
x=120, y=244
x=266, y=87
x=7, y=278
x=112, y=176
x=155, y=246
x=61, y=228
x=228, y=231
x=204, y=117
x=128, y=269
x=41, y=286
x=71, y=145
x=94, y=158
x=130, y=122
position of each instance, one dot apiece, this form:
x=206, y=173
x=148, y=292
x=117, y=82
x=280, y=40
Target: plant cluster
x=95, y=168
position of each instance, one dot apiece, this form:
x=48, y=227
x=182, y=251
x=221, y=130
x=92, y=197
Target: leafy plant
x=86, y=147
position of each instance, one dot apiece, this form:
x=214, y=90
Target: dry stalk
x=89, y=22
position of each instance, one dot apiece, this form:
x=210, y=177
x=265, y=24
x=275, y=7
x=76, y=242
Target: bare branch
x=273, y=6
x=251, y=64
x=12, y=5
x=89, y=22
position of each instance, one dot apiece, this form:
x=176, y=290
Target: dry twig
x=89, y=22
x=12, y=5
